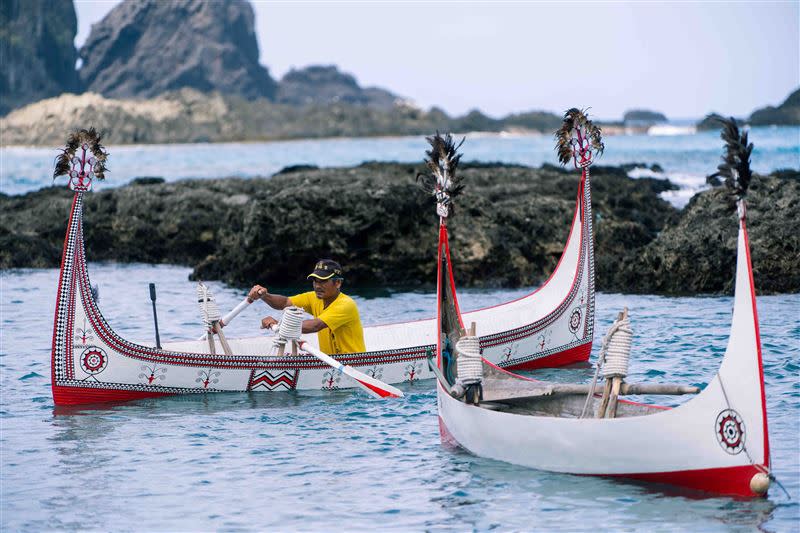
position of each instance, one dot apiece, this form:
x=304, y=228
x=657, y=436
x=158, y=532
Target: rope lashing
x=469, y=363
x=616, y=349
x=290, y=327
x=614, y=355
x=208, y=305
x=442, y=201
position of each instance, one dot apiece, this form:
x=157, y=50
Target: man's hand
x=268, y=321
x=257, y=293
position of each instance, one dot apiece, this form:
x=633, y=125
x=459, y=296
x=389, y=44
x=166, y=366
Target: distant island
x=189, y=71
x=786, y=114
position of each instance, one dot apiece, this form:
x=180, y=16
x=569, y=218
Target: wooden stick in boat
x=628, y=389
x=211, y=346
x=601, y=411
x=492, y=392
x=616, y=382
x=225, y=346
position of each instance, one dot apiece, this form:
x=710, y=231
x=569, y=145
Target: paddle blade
x=374, y=387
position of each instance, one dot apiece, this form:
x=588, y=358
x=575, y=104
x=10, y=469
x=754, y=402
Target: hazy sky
x=681, y=58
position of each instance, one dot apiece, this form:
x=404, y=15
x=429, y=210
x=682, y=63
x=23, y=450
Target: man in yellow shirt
x=336, y=320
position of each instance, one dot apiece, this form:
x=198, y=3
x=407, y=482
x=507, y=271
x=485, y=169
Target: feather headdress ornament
x=588, y=136
x=735, y=166
x=442, y=162
x=68, y=163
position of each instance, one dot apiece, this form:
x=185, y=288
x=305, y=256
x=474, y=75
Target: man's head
x=327, y=279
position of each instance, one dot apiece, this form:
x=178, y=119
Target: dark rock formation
x=144, y=48
x=639, y=117
x=698, y=253
x=322, y=85
x=509, y=230
x=786, y=114
x=37, y=52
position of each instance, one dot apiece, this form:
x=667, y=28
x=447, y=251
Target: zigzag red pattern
x=271, y=381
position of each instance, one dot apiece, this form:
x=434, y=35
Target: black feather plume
x=442, y=162
x=735, y=166
x=77, y=139
x=574, y=119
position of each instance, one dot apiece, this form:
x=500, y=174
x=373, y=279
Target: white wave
x=689, y=184
x=669, y=129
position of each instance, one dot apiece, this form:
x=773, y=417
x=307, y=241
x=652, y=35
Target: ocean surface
x=686, y=157
x=314, y=461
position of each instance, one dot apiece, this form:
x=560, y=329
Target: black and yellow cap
x=327, y=269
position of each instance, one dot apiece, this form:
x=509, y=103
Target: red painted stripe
x=758, y=342
x=573, y=355
x=444, y=434
x=383, y=393
x=730, y=481
x=83, y=395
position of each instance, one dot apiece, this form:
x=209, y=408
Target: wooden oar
x=224, y=321
x=374, y=387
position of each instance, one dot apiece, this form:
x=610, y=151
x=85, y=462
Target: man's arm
x=275, y=301
x=309, y=326
x=314, y=325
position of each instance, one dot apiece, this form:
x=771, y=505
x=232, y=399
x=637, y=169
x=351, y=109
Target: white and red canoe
x=92, y=363
x=717, y=441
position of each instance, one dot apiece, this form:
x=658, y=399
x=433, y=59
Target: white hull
x=716, y=441
x=92, y=363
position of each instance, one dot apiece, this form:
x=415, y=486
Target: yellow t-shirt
x=344, y=333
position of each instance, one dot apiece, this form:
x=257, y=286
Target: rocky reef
x=509, y=229
x=697, y=254
x=36, y=51
x=148, y=47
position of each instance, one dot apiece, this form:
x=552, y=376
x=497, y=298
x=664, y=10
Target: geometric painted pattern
x=267, y=372
x=273, y=380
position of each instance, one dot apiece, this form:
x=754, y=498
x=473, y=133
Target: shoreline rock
x=509, y=230
x=190, y=116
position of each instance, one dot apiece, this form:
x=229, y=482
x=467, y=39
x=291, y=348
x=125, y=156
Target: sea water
x=321, y=461
x=685, y=157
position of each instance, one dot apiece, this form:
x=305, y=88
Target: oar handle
x=224, y=321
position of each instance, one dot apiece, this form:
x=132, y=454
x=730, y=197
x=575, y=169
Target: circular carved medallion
x=575, y=320
x=93, y=360
x=730, y=431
